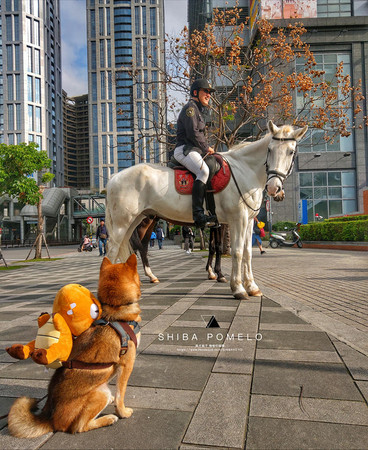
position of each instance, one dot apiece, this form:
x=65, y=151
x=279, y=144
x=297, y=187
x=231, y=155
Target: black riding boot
x=199, y=217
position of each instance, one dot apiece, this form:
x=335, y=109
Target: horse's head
x=280, y=156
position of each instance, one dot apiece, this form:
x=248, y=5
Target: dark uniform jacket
x=191, y=128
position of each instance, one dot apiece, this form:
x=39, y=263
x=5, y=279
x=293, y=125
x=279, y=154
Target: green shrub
x=347, y=218
x=354, y=230
x=280, y=226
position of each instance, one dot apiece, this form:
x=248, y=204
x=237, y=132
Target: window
x=110, y=124
x=154, y=52
x=96, y=178
x=36, y=29
x=37, y=90
x=108, y=53
x=93, y=55
x=111, y=145
x=94, y=119
x=144, y=20
x=11, y=117
x=104, y=149
x=36, y=8
x=102, y=53
x=93, y=23
x=101, y=20
x=137, y=20
x=103, y=86
x=9, y=57
x=29, y=30
x=38, y=119
x=314, y=140
x=94, y=86
x=29, y=59
x=30, y=118
x=17, y=86
x=30, y=88
x=103, y=116
x=138, y=52
x=10, y=87
x=18, y=117
x=17, y=56
x=37, y=62
x=328, y=193
x=9, y=28
x=108, y=29
x=95, y=150
x=16, y=28
x=104, y=174
x=333, y=8
x=153, y=23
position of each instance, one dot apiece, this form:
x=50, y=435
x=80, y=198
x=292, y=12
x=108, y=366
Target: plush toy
x=74, y=310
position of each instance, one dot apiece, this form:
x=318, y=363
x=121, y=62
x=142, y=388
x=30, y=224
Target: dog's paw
x=111, y=399
x=110, y=419
x=124, y=413
x=40, y=356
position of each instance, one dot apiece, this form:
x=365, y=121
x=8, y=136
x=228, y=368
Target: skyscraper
x=30, y=87
x=124, y=37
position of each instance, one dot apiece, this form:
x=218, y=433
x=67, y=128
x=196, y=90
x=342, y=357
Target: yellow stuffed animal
x=74, y=310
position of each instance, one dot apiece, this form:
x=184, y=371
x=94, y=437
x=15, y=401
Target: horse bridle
x=276, y=173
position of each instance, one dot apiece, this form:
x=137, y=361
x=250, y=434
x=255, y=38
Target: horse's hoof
x=256, y=293
x=241, y=296
x=212, y=277
x=222, y=280
x=155, y=280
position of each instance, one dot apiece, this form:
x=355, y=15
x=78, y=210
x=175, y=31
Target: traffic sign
x=89, y=219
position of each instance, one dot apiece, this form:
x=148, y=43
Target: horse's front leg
x=211, y=252
x=218, y=246
x=249, y=283
x=237, y=234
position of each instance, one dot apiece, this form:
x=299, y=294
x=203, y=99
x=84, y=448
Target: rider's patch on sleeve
x=190, y=112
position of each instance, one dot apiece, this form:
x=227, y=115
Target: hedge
x=347, y=218
x=353, y=230
x=280, y=226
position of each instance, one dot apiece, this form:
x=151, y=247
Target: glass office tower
x=123, y=37
x=30, y=77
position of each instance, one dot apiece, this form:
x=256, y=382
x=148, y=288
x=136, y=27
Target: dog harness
x=125, y=333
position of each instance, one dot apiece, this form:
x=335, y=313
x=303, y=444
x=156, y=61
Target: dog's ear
x=132, y=261
x=105, y=263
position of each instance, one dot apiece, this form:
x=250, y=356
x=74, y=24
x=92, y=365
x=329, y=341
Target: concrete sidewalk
x=266, y=378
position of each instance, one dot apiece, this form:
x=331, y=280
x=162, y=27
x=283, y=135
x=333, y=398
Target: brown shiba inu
x=78, y=392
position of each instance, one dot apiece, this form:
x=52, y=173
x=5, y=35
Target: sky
x=74, y=39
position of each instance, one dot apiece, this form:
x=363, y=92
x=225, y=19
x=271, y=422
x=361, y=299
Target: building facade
x=329, y=176
x=30, y=77
x=76, y=141
x=124, y=38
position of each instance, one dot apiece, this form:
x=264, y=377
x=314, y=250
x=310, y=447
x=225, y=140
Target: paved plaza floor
x=287, y=371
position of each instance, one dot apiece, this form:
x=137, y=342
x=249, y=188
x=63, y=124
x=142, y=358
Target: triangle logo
x=213, y=323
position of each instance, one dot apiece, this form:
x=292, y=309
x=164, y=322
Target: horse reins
x=274, y=173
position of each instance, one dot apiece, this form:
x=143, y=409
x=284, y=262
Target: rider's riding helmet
x=200, y=84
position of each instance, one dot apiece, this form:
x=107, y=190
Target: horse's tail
x=23, y=423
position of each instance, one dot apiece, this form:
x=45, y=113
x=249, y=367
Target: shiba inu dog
x=78, y=392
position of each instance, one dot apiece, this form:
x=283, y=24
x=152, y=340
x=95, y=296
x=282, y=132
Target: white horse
x=148, y=189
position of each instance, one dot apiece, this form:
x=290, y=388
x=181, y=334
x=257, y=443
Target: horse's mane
x=285, y=130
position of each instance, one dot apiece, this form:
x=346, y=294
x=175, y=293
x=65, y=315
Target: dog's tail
x=23, y=423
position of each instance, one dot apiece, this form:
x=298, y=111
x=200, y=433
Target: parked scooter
x=279, y=239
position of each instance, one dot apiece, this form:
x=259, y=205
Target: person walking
x=256, y=236
x=102, y=236
x=152, y=239
x=188, y=236
x=160, y=236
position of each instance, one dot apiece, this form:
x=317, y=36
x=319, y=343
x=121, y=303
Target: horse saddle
x=217, y=181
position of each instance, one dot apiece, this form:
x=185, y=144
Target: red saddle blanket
x=184, y=180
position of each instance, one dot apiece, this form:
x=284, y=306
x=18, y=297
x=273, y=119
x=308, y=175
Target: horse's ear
x=300, y=132
x=272, y=127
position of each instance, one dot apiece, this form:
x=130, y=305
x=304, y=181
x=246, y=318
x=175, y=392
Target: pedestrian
x=192, y=147
x=152, y=239
x=160, y=236
x=188, y=236
x=102, y=236
x=256, y=236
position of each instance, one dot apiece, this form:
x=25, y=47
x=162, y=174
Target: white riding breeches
x=194, y=163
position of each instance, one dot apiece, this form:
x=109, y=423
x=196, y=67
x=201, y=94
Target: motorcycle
x=279, y=239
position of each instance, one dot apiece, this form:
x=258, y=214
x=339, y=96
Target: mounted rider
x=192, y=147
